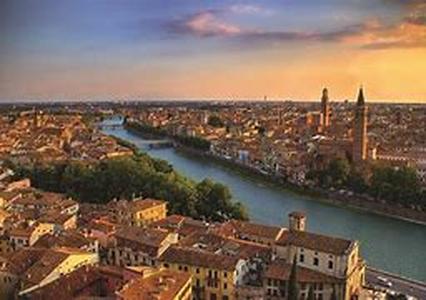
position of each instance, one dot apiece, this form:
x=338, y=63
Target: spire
x=361, y=99
x=324, y=94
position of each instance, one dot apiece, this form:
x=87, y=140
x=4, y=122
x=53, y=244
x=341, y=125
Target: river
x=386, y=243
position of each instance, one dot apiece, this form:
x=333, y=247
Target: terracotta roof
x=281, y=270
x=227, y=246
x=195, y=257
x=259, y=230
x=70, y=285
x=22, y=231
x=146, y=240
x=184, y=226
x=21, y=260
x=315, y=241
x=148, y=236
x=43, y=267
x=71, y=239
x=138, y=205
x=164, y=285
x=172, y=221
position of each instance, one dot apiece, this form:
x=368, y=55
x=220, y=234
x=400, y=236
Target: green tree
x=339, y=170
x=397, y=185
x=139, y=175
x=293, y=290
x=215, y=121
x=356, y=182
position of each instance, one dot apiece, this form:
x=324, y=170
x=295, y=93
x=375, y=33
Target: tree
x=357, y=183
x=311, y=295
x=215, y=121
x=293, y=291
x=339, y=170
x=125, y=177
x=397, y=185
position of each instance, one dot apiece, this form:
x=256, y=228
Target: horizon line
x=195, y=99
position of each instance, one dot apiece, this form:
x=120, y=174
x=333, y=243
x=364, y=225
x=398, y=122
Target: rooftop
x=164, y=285
x=199, y=258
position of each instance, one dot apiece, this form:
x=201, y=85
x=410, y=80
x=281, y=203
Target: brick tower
x=325, y=108
x=360, y=139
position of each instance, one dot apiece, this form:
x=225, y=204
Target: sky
x=222, y=49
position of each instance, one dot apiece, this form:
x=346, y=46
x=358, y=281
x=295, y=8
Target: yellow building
x=27, y=236
x=214, y=276
x=158, y=284
x=147, y=211
x=51, y=264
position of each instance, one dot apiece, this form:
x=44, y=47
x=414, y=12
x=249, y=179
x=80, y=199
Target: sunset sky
x=194, y=49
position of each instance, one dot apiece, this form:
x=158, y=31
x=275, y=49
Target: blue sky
x=96, y=48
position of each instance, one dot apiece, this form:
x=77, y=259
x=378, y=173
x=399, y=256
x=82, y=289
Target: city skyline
x=220, y=50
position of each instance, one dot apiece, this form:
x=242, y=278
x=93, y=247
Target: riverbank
x=356, y=202
x=353, y=202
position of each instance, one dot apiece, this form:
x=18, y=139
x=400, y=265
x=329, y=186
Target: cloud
x=404, y=35
x=203, y=24
x=410, y=32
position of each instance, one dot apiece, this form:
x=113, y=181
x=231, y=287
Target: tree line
x=138, y=175
x=396, y=185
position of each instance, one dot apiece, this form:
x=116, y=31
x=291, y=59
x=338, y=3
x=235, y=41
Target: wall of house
x=209, y=282
x=71, y=263
x=150, y=215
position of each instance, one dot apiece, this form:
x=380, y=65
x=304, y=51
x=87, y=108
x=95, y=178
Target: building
x=325, y=109
x=162, y=284
x=258, y=233
x=88, y=282
x=335, y=263
x=214, y=276
x=360, y=138
x=33, y=268
x=276, y=278
x=147, y=211
x=138, y=212
x=136, y=246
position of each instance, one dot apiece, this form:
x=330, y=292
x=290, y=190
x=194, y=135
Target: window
x=320, y=297
x=316, y=261
x=185, y=269
x=197, y=270
x=225, y=286
x=330, y=264
x=180, y=268
x=225, y=274
x=302, y=258
x=225, y=298
x=213, y=296
x=166, y=265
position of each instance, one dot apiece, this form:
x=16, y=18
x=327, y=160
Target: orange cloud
x=376, y=36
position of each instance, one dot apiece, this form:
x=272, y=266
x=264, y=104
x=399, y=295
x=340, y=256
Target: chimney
x=297, y=221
